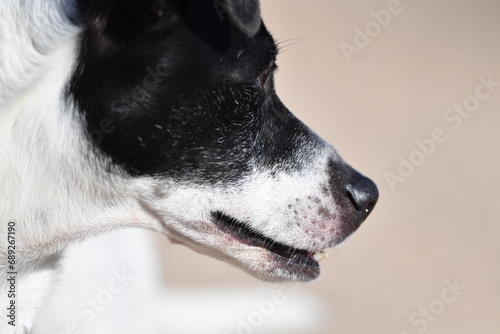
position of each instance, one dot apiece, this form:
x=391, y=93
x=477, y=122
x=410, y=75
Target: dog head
x=181, y=93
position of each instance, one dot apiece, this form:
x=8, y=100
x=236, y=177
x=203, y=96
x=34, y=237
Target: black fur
x=244, y=13
x=169, y=88
x=178, y=90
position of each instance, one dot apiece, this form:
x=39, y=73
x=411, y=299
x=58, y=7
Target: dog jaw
x=303, y=215
x=192, y=140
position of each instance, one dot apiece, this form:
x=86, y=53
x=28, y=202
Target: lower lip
x=300, y=271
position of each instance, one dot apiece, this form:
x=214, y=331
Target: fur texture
x=159, y=115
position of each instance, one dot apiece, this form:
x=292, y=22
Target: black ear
x=245, y=14
x=111, y=22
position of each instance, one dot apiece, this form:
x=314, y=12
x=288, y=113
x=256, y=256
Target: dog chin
x=272, y=262
x=262, y=264
x=271, y=267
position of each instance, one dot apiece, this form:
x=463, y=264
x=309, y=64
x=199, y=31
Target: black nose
x=363, y=194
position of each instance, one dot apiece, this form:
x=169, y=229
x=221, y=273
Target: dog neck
x=52, y=184
x=29, y=31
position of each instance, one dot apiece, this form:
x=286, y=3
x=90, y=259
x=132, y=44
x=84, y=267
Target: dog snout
x=363, y=194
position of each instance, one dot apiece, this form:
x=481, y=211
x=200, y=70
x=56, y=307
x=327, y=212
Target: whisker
x=287, y=44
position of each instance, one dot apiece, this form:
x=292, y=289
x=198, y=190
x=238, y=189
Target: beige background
x=441, y=223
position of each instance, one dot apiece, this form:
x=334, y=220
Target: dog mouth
x=302, y=264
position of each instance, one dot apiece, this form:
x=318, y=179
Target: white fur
x=58, y=191
x=49, y=184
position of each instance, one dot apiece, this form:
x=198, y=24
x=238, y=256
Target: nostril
x=352, y=197
x=370, y=206
x=363, y=194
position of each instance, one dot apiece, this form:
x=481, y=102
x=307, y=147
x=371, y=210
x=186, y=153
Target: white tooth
x=320, y=255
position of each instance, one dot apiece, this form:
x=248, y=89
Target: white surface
x=144, y=306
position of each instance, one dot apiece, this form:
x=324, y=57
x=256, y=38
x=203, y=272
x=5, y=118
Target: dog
x=162, y=115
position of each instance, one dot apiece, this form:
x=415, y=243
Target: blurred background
x=409, y=93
